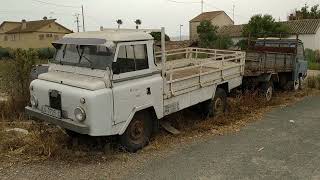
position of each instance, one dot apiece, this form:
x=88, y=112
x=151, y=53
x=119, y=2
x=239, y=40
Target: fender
x=133, y=112
x=266, y=77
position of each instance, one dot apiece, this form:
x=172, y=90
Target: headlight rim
x=83, y=113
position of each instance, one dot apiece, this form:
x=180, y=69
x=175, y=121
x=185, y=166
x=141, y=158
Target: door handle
x=148, y=91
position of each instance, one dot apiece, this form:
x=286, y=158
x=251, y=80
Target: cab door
x=135, y=84
x=301, y=66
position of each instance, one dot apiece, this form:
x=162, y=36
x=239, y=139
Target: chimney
x=24, y=24
x=45, y=18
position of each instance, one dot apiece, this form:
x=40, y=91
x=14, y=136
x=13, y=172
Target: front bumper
x=64, y=123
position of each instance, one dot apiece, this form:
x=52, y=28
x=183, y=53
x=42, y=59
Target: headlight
x=34, y=101
x=80, y=114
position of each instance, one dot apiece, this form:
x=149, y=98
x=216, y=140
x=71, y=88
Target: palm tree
x=119, y=22
x=138, y=23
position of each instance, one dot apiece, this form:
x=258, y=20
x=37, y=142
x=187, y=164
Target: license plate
x=51, y=112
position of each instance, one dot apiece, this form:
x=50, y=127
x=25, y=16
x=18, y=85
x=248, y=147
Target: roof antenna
x=234, y=7
x=202, y=6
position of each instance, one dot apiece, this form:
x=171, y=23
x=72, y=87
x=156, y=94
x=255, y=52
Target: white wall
x=310, y=41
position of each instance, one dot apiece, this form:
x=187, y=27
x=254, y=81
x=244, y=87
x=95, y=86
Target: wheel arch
x=224, y=86
x=146, y=109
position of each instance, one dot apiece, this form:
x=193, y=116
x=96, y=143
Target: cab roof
x=112, y=35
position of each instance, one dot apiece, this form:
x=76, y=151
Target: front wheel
x=138, y=133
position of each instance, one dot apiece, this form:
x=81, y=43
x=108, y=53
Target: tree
x=306, y=13
x=223, y=42
x=263, y=26
x=207, y=34
x=119, y=22
x=157, y=36
x=138, y=23
x=209, y=38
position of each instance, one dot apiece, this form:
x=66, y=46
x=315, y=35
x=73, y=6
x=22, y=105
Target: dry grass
x=313, y=82
x=46, y=142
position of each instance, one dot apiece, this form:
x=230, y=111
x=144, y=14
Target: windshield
x=90, y=56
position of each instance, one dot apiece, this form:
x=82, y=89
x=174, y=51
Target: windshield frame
x=62, y=47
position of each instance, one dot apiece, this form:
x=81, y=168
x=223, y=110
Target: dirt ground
x=313, y=72
x=47, y=153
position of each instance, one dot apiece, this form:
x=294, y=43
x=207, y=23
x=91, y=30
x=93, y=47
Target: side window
x=300, y=51
x=131, y=58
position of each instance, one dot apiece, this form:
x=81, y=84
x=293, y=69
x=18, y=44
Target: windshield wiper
x=81, y=55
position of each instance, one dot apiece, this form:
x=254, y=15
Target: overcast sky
x=153, y=13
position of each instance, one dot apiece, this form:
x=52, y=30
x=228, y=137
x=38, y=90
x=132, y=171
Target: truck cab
x=77, y=92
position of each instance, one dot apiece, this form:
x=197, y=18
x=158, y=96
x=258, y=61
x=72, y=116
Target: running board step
x=167, y=126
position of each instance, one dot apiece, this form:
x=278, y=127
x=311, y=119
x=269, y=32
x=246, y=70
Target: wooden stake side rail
x=193, y=68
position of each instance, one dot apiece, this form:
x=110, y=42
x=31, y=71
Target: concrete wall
x=40, y=39
x=221, y=20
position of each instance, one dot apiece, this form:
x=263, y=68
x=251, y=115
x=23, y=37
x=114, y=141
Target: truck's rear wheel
x=266, y=91
x=218, y=104
x=138, y=133
x=301, y=85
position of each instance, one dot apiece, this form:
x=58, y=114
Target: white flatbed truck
x=112, y=82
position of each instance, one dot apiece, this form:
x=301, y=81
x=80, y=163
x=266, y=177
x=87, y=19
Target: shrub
x=157, y=36
x=312, y=56
x=4, y=53
x=17, y=80
x=46, y=53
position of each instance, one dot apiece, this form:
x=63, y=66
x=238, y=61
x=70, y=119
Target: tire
x=138, y=133
x=266, y=91
x=217, y=106
x=73, y=134
x=301, y=86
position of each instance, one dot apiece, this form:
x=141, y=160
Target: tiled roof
x=232, y=31
x=306, y=26
x=206, y=16
x=31, y=26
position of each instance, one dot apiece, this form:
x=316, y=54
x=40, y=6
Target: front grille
x=55, y=99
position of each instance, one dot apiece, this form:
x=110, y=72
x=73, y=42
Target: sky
x=153, y=13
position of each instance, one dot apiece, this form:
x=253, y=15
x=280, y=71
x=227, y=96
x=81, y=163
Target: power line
x=231, y=12
x=54, y=4
x=184, y=2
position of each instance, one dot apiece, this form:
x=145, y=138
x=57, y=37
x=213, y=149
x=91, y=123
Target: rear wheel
x=266, y=91
x=301, y=85
x=138, y=133
x=217, y=105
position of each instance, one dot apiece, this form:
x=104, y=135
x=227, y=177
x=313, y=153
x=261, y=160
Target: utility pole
x=77, y=21
x=181, y=32
x=234, y=7
x=202, y=6
x=83, y=26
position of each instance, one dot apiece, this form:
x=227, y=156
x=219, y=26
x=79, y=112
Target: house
x=217, y=18
x=307, y=29
x=31, y=34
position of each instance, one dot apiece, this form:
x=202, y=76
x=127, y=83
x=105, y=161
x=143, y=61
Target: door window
x=300, y=52
x=131, y=58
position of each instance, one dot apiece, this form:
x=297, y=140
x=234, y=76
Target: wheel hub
x=269, y=93
x=218, y=106
x=137, y=131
